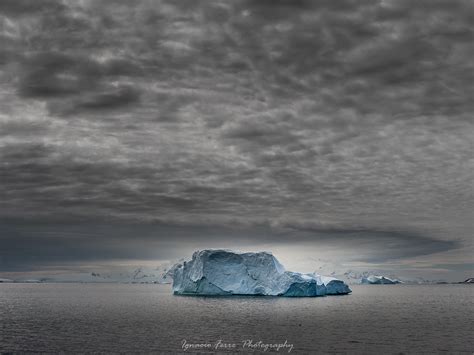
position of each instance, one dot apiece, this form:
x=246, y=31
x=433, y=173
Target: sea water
x=137, y=318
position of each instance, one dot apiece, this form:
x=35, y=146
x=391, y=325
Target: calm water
x=148, y=318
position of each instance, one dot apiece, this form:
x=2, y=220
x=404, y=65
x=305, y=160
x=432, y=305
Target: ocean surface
x=138, y=318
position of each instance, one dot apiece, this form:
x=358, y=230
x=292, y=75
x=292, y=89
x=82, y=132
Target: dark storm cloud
x=390, y=245
x=101, y=99
x=54, y=75
x=340, y=114
x=22, y=7
x=37, y=245
x=119, y=97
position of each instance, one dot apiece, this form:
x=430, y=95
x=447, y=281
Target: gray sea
x=136, y=318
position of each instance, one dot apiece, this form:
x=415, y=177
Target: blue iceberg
x=378, y=280
x=224, y=272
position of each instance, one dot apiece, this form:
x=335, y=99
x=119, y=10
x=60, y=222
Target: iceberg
x=224, y=272
x=168, y=275
x=378, y=280
x=135, y=275
x=31, y=281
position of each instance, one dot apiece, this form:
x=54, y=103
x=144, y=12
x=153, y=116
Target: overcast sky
x=325, y=131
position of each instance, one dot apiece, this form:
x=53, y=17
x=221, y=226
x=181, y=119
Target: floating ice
x=378, y=280
x=223, y=272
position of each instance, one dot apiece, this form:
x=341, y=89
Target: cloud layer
x=347, y=115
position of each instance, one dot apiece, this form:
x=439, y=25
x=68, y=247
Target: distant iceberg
x=136, y=275
x=224, y=272
x=31, y=281
x=378, y=280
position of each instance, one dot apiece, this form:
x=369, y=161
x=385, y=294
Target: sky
x=336, y=134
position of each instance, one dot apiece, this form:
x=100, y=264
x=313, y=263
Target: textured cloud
x=344, y=115
x=41, y=245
